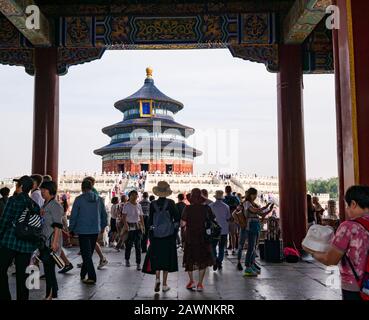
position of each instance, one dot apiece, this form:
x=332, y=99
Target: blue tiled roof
x=149, y=92
x=142, y=122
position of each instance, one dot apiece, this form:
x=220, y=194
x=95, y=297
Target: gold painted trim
x=142, y=115
x=353, y=92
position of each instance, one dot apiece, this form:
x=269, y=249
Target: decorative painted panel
x=303, y=17
x=78, y=32
x=258, y=28
x=318, y=51
x=122, y=31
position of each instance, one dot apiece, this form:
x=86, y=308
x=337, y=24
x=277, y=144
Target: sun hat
x=219, y=195
x=162, y=189
x=318, y=238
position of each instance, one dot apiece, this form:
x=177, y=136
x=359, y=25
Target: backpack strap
x=365, y=224
x=156, y=207
x=357, y=278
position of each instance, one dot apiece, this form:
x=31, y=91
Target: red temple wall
x=135, y=166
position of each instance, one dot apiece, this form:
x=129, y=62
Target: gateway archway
x=288, y=36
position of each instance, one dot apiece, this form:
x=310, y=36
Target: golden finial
x=149, y=72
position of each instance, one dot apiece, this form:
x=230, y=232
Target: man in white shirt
x=36, y=192
x=223, y=215
x=132, y=216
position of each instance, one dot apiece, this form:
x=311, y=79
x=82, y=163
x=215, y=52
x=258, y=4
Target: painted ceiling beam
x=15, y=11
x=302, y=19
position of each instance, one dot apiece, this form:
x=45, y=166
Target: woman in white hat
x=163, y=225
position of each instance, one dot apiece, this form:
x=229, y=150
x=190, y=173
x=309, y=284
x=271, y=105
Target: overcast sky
x=231, y=104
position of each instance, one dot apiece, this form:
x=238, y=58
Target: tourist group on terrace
x=36, y=223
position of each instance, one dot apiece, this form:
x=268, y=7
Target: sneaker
x=128, y=264
x=257, y=266
x=220, y=266
x=67, y=267
x=102, y=264
x=138, y=268
x=200, y=287
x=239, y=266
x=165, y=288
x=89, y=281
x=79, y=265
x=249, y=272
x=157, y=285
x=257, y=271
x=215, y=267
x=233, y=253
x=191, y=285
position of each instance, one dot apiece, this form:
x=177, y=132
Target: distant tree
x=324, y=186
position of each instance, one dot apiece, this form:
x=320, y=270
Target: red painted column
x=352, y=81
x=291, y=146
x=45, y=152
x=340, y=164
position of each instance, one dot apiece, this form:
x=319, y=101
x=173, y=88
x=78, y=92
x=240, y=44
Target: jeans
x=22, y=261
x=134, y=239
x=253, y=234
x=241, y=243
x=222, y=242
x=87, y=243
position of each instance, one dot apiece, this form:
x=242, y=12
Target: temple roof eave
x=127, y=146
x=144, y=123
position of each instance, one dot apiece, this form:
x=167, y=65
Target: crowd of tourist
x=204, y=226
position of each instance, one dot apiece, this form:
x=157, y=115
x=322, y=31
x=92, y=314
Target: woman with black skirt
x=162, y=252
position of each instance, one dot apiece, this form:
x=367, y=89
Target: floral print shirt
x=353, y=239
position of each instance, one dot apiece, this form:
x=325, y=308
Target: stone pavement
x=301, y=281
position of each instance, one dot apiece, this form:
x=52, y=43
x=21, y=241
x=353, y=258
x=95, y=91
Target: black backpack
x=28, y=226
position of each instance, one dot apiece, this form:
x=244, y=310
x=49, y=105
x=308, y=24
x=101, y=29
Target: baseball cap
x=26, y=182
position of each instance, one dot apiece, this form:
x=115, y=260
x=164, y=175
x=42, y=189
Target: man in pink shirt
x=350, y=243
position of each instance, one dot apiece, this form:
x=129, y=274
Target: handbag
x=212, y=229
x=47, y=255
x=28, y=227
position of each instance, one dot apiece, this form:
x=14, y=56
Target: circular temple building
x=148, y=138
